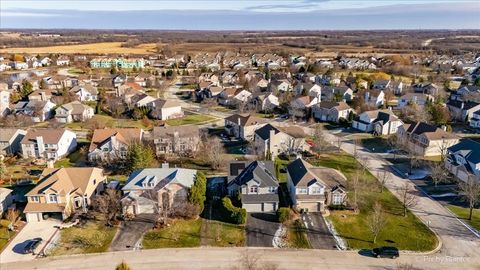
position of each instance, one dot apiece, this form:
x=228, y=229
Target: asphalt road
x=234, y=258
x=261, y=228
x=458, y=241
x=317, y=232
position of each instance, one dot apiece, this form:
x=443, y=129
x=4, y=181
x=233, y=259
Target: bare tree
x=293, y=145
x=355, y=186
x=214, y=151
x=383, y=178
x=438, y=173
x=376, y=221
x=408, y=197
x=471, y=193
x=108, y=205
x=11, y=216
x=319, y=142
x=339, y=143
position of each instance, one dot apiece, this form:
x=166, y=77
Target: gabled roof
x=467, y=105
x=124, y=135
x=161, y=177
x=468, y=149
x=264, y=132
x=87, y=87
x=431, y=132
x=262, y=172
x=183, y=131
x=303, y=174
x=165, y=103
x=245, y=119
x=7, y=133
x=50, y=136
x=340, y=106
x=66, y=180
x=76, y=107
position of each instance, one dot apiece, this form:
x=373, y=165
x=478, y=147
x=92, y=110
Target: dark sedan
x=386, y=252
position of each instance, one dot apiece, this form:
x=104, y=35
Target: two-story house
x=312, y=188
x=85, y=92
x=110, y=144
x=60, y=192
x=4, y=102
x=49, y=144
x=331, y=111
x=73, y=112
x=165, y=109
x=180, y=140
x=419, y=99
x=337, y=93
x=462, y=110
x=147, y=189
x=301, y=106
x=375, y=98
x=475, y=120
x=423, y=139
x=463, y=160
x=243, y=126
x=271, y=141
x=257, y=185
x=386, y=121
x=10, y=139
x=39, y=111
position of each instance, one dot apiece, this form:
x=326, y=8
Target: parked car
x=386, y=252
x=32, y=245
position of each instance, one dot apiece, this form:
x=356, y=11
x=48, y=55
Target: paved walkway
x=129, y=235
x=317, y=232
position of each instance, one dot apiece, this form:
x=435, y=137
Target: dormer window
x=254, y=189
x=35, y=199
x=53, y=198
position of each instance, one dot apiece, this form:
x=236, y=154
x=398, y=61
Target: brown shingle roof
x=125, y=135
x=50, y=136
x=245, y=119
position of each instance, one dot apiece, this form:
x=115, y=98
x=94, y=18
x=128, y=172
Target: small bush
x=337, y=207
x=237, y=215
x=284, y=214
x=186, y=210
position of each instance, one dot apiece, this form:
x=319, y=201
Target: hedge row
x=237, y=215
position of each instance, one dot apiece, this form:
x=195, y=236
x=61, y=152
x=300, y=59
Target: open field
x=406, y=233
x=93, y=48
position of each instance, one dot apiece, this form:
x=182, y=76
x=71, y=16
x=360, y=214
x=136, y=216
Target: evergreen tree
x=197, y=193
x=139, y=156
x=27, y=88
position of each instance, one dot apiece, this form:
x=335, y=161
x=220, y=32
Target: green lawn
x=75, y=159
x=182, y=233
x=220, y=234
x=4, y=233
x=406, y=233
x=191, y=119
x=118, y=177
x=77, y=71
x=463, y=212
x=91, y=238
x=110, y=122
x=221, y=109
x=281, y=165
x=375, y=144
x=296, y=236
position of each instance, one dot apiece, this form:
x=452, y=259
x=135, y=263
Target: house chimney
x=40, y=145
x=462, y=106
x=165, y=165
x=444, y=127
x=367, y=96
x=43, y=96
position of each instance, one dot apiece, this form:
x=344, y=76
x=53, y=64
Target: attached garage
x=34, y=217
x=310, y=206
x=260, y=207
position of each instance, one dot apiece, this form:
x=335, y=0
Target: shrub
x=337, y=207
x=237, y=215
x=185, y=210
x=284, y=214
x=123, y=266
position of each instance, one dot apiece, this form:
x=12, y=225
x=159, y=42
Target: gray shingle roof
x=261, y=171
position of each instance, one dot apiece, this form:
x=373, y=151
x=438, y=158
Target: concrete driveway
x=261, y=228
x=14, y=251
x=130, y=234
x=317, y=232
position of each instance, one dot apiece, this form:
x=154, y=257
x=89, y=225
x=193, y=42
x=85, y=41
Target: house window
x=35, y=199
x=53, y=198
x=337, y=199
x=254, y=189
x=272, y=189
x=317, y=190
x=302, y=191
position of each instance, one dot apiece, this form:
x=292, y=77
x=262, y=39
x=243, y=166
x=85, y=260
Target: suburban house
x=61, y=192
x=6, y=199
x=463, y=160
x=300, y=107
x=425, y=140
x=145, y=188
x=475, y=120
x=4, y=102
x=49, y=144
x=419, y=99
x=462, y=110
x=182, y=140
x=39, y=111
x=243, y=126
x=112, y=143
x=10, y=139
x=312, y=188
x=382, y=84
x=144, y=79
x=337, y=93
x=331, y=111
x=272, y=141
x=375, y=98
x=42, y=95
x=165, y=109
x=73, y=112
x=265, y=102
x=140, y=100
x=281, y=85
x=63, y=60
x=85, y=92
x=117, y=62
x=308, y=89
x=426, y=88
x=257, y=185
x=379, y=121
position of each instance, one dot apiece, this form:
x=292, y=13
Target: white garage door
x=253, y=207
x=311, y=207
x=34, y=217
x=269, y=207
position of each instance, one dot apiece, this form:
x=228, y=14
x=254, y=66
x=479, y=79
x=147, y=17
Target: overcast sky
x=241, y=14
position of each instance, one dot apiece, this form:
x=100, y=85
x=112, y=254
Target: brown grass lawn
x=94, y=48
